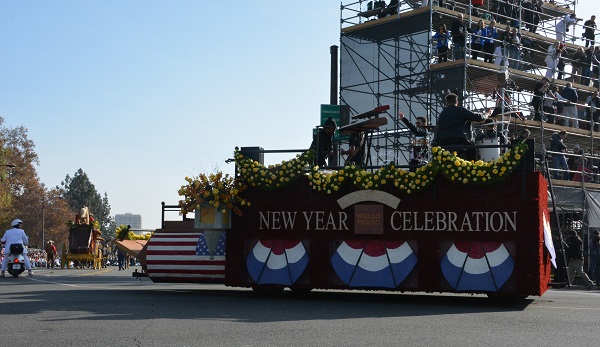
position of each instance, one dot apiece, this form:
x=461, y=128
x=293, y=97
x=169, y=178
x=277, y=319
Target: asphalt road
x=110, y=308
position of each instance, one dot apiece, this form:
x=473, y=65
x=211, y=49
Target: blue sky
x=140, y=94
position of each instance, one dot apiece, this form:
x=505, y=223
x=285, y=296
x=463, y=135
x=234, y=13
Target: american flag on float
x=186, y=257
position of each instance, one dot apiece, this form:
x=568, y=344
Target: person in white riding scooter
x=15, y=235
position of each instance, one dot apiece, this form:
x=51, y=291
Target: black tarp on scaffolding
x=593, y=208
x=578, y=200
x=567, y=198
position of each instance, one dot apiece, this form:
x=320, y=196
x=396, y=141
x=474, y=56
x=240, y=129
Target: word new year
x=397, y=221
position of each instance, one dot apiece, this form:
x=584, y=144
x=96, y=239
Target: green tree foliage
x=80, y=192
x=107, y=222
x=22, y=195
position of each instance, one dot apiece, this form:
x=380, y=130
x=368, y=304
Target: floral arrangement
x=362, y=179
x=273, y=176
x=94, y=224
x=479, y=172
x=212, y=190
x=443, y=162
x=222, y=191
x=123, y=233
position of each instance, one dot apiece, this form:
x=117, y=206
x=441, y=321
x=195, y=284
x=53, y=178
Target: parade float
x=84, y=246
x=131, y=241
x=450, y=226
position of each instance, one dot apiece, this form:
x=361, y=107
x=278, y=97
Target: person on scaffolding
x=559, y=162
x=459, y=31
x=589, y=35
x=562, y=27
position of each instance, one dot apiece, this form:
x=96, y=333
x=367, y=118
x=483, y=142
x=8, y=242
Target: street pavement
x=107, y=307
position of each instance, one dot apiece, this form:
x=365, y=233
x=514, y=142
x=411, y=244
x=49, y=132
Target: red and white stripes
x=183, y=257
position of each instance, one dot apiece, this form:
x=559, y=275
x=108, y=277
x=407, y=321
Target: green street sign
x=341, y=115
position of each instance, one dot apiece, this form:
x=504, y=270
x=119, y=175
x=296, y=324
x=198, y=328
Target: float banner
x=447, y=238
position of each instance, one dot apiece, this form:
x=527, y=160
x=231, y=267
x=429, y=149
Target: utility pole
x=43, y=221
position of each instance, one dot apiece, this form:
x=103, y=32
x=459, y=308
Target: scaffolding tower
x=388, y=57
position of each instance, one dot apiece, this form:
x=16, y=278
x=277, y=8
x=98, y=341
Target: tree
x=56, y=213
x=22, y=195
x=79, y=191
x=107, y=222
x=17, y=151
x=45, y=215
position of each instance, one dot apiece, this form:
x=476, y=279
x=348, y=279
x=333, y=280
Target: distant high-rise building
x=135, y=220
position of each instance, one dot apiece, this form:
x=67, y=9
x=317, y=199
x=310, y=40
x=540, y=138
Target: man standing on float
x=454, y=127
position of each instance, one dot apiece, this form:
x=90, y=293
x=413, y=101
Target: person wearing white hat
x=15, y=235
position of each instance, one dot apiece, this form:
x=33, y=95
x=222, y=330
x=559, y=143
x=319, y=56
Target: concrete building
x=135, y=220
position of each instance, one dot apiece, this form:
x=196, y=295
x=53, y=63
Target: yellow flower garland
x=478, y=172
x=442, y=162
x=275, y=176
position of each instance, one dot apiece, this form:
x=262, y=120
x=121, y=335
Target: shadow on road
x=166, y=301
